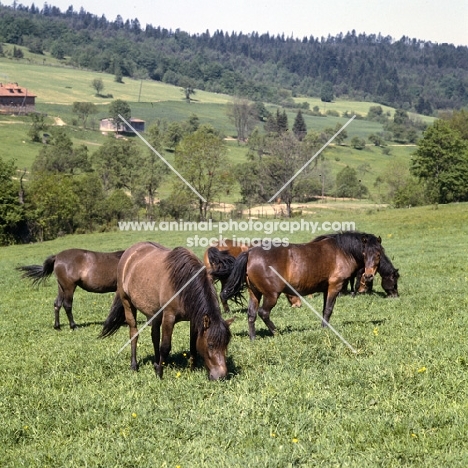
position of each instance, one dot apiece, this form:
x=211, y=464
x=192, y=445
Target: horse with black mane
x=317, y=266
x=358, y=283
x=94, y=272
x=219, y=260
x=169, y=286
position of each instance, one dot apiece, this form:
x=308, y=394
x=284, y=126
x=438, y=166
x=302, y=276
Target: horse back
x=308, y=268
x=92, y=271
x=143, y=278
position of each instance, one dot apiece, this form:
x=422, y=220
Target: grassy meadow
x=302, y=398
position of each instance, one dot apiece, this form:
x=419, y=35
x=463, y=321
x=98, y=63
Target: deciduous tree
x=201, y=158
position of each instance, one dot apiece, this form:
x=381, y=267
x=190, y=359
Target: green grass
x=299, y=399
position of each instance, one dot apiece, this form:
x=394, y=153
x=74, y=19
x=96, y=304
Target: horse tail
x=221, y=263
x=38, y=273
x=236, y=282
x=115, y=319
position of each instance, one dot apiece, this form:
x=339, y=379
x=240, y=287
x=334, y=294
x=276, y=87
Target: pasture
x=301, y=398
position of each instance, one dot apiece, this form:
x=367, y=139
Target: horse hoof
x=57, y=327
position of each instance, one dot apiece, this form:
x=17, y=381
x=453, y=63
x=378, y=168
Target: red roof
x=12, y=89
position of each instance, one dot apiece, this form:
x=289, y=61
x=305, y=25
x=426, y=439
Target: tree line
x=407, y=73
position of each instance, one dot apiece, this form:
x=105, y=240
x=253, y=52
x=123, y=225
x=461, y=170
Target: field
x=301, y=398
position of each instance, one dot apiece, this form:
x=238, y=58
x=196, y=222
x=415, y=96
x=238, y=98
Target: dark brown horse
x=92, y=271
x=317, y=266
x=350, y=241
x=169, y=286
x=219, y=261
x=389, y=278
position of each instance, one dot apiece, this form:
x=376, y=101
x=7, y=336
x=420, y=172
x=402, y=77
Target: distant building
x=15, y=99
x=108, y=125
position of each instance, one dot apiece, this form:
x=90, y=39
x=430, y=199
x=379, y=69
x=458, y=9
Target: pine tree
x=299, y=127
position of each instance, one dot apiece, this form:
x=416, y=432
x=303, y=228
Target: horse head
x=372, y=250
x=212, y=344
x=390, y=283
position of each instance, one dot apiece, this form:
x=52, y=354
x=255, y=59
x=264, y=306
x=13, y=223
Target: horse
x=155, y=280
x=386, y=270
x=317, y=266
x=92, y=271
x=389, y=278
x=219, y=260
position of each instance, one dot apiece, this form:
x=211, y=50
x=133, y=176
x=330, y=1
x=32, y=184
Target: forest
x=404, y=73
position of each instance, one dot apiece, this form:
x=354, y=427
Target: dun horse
x=92, y=271
x=317, y=266
x=151, y=277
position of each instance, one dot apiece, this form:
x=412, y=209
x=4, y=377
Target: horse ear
x=206, y=322
x=229, y=321
x=379, y=239
x=364, y=239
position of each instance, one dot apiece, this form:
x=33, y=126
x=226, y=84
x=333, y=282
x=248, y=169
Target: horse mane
x=349, y=242
x=386, y=267
x=200, y=296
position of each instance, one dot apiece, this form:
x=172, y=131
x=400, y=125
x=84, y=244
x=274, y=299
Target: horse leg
x=156, y=337
x=130, y=319
x=57, y=305
x=329, y=299
x=168, y=322
x=68, y=304
x=268, y=303
x=224, y=303
x=252, y=312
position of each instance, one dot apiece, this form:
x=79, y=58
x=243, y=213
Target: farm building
x=108, y=125
x=15, y=99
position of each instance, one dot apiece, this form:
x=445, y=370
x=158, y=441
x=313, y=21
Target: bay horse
x=151, y=277
x=94, y=272
x=219, y=260
x=317, y=266
x=389, y=274
x=389, y=278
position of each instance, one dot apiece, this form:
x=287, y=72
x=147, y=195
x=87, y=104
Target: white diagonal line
x=194, y=190
x=312, y=158
x=161, y=309
x=315, y=312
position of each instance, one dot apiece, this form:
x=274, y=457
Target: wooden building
x=15, y=99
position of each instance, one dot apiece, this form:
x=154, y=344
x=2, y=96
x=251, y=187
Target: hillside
x=57, y=87
x=405, y=73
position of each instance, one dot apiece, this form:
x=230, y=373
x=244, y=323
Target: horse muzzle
x=217, y=374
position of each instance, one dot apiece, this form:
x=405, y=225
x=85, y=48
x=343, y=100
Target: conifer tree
x=299, y=127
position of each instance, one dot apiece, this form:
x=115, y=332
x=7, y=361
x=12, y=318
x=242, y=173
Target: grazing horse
x=92, y=271
x=389, y=275
x=350, y=241
x=317, y=266
x=219, y=261
x=169, y=286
